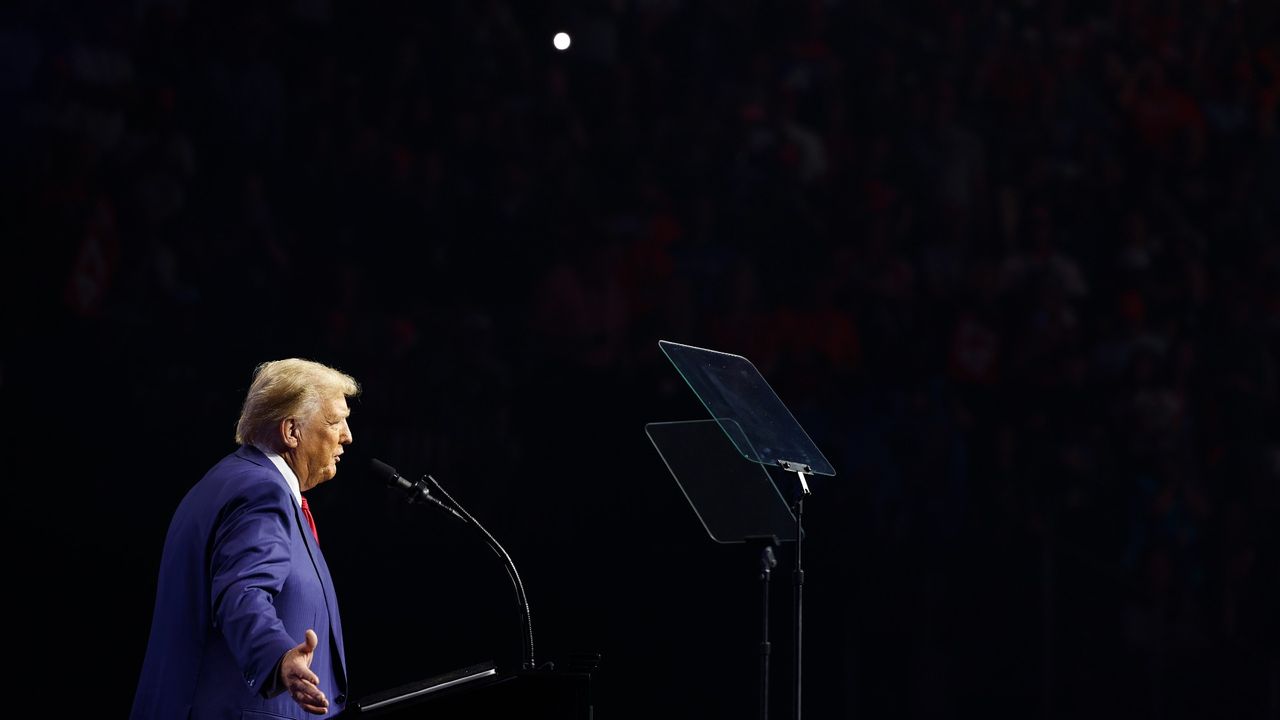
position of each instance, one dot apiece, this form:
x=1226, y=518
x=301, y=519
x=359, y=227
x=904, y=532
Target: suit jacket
x=241, y=580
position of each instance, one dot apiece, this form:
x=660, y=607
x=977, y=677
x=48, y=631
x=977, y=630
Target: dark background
x=1015, y=266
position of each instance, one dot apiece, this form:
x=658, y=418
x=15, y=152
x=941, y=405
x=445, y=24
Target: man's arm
x=249, y=563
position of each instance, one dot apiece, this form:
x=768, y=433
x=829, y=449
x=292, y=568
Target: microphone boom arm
x=526, y=621
x=419, y=492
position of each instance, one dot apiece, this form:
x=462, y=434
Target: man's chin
x=323, y=476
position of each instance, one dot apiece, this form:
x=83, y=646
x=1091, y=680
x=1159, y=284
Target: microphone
x=417, y=492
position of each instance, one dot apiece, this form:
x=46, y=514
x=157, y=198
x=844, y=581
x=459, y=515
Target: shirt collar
x=287, y=472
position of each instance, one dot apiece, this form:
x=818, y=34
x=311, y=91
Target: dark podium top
x=469, y=693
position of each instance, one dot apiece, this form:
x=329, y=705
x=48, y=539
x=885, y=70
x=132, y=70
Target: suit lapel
x=326, y=582
x=255, y=456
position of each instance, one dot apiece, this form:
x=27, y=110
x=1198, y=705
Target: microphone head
x=384, y=471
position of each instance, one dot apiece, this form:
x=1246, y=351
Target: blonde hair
x=283, y=389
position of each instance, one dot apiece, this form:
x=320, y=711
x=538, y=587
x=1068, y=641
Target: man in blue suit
x=246, y=622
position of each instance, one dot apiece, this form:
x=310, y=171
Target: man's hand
x=296, y=676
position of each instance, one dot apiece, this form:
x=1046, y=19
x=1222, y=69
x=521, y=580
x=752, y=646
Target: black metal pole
x=798, y=607
x=767, y=563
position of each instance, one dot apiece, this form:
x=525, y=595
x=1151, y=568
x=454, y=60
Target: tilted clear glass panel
x=733, y=500
x=746, y=408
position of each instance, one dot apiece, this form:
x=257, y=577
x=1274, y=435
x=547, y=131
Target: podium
x=522, y=694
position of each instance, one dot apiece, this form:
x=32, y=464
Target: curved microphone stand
x=526, y=621
x=418, y=492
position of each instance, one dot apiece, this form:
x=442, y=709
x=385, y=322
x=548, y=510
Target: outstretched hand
x=296, y=676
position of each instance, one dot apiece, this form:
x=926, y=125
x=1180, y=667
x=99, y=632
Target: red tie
x=306, y=510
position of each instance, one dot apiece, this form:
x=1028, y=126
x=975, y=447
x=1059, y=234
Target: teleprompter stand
x=738, y=501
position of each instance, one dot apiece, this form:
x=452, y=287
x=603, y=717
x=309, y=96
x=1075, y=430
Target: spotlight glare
x=561, y=41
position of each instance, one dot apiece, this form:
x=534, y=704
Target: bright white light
x=561, y=41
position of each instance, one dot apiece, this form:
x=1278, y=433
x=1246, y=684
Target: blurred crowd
x=1016, y=265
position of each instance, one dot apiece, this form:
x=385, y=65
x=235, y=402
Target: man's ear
x=289, y=432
